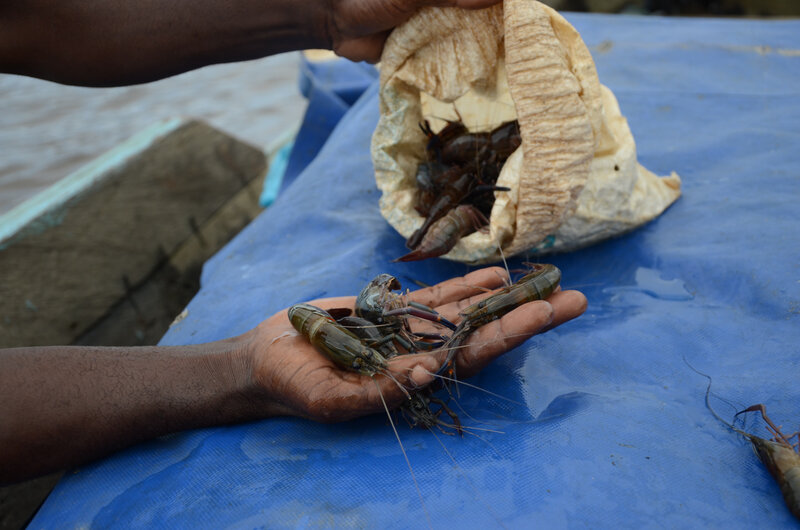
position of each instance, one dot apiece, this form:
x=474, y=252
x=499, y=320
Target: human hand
x=148, y=391
x=301, y=381
x=358, y=28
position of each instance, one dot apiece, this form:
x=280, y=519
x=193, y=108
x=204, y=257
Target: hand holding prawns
x=144, y=392
x=302, y=382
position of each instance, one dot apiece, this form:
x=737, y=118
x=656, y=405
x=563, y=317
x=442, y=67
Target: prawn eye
x=357, y=364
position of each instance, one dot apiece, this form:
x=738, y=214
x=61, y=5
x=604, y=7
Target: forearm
x=63, y=406
x=116, y=42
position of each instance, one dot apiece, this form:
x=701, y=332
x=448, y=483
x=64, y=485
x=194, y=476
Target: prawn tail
x=446, y=232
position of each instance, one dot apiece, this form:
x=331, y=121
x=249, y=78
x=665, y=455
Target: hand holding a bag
x=359, y=28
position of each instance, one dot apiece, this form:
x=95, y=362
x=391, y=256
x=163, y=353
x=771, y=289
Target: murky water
x=48, y=130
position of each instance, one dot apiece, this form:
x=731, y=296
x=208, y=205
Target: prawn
x=370, y=334
x=356, y=354
x=454, y=186
x=341, y=346
x=778, y=455
x=378, y=303
x=500, y=141
x=454, y=144
x=461, y=168
x=437, y=141
x=446, y=232
x=538, y=284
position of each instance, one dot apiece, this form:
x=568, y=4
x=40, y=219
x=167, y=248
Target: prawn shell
x=536, y=285
x=783, y=464
x=377, y=297
x=370, y=334
x=445, y=233
x=337, y=343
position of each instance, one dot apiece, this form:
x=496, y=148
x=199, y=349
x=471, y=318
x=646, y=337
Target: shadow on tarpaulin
x=602, y=424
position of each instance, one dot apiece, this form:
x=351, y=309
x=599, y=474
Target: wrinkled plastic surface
x=607, y=425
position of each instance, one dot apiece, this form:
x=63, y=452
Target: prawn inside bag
x=574, y=180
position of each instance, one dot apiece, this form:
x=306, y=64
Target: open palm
x=303, y=382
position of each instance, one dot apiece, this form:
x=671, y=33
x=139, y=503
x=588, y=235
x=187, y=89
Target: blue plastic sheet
x=607, y=425
x=331, y=88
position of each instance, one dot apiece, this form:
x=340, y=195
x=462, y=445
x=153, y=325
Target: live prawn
x=538, y=284
x=461, y=169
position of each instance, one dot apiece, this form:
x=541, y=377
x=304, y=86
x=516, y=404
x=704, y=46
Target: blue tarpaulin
x=605, y=423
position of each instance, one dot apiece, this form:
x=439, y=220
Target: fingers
x=473, y=284
x=356, y=395
x=348, y=395
x=566, y=306
x=360, y=29
x=368, y=48
x=411, y=371
x=475, y=4
x=465, y=4
x=332, y=303
x=496, y=338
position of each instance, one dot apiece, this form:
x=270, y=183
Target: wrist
x=241, y=395
x=324, y=25
x=288, y=25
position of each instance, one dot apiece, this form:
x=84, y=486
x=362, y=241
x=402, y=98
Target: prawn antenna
x=708, y=401
x=390, y=376
x=476, y=387
x=506, y=281
x=408, y=462
x=467, y=480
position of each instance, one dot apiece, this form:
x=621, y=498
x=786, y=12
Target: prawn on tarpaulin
x=779, y=455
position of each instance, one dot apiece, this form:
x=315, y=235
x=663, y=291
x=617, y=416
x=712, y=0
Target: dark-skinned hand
x=359, y=28
x=303, y=382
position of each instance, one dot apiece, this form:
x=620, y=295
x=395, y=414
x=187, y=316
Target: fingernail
x=420, y=375
x=552, y=314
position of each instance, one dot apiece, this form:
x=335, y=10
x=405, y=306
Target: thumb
x=496, y=338
x=405, y=373
x=367, y=48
